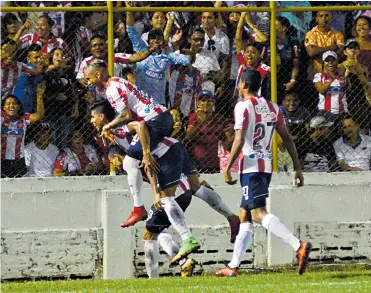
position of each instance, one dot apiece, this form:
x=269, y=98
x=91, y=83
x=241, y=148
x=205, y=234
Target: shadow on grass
x=349, y=275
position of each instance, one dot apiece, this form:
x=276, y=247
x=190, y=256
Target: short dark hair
x=49, y=20
x=195, y=29
x=155, y=34
x=33, y=48
x=365, y=17
x=105, y=108
x=283, y=21
x=98, y=36
x=116, y=150
x=349, y=116
x=252, y=79
x=9, y=18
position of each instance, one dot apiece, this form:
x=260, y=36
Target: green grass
x=358, y=281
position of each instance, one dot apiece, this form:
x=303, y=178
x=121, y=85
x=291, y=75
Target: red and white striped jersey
x=12, y=136
x=333, y=100
x=52, y=43
x=258, y=118
x=123, y=94
x=123, y=137
x=121, y=61
x=9, y=77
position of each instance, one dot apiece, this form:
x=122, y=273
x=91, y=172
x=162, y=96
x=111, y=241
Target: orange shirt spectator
x=320, y=39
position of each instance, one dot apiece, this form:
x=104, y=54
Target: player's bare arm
x=238, y=142
x=122, y=118
x=290, y=146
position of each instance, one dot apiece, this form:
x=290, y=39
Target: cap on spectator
x=329, y=53
x=205, y=93
x=320, y=121
x=352, y=44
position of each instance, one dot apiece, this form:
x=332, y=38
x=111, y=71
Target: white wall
x=51, y=211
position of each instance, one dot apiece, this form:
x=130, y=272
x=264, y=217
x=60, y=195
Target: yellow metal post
x=273, y=53
x=110, y=38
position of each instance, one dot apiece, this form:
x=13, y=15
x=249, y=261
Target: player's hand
x=150, y=165
x=157, y=202
x=107, y=137
x=299, y=176
x=228, y=178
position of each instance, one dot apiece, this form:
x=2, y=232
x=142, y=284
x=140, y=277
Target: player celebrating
x=131, y=104
x=255, y=121
x=102, y=114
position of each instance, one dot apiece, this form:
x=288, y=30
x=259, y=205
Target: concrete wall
x=53, y=227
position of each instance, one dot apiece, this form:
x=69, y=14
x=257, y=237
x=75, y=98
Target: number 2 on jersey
x=260, y=133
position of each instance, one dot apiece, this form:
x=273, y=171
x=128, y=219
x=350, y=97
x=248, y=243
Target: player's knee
x=194, y=182
x=147, y=235
x=258, y=214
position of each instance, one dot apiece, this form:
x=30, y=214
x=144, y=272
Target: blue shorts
x=158, y=127
x=172, y=164
x=254, y=190
x=158, y=221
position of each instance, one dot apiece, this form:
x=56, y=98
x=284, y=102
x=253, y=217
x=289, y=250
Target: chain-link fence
x=192, y=67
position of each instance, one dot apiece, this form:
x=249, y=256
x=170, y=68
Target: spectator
x=320, y=39
x=11, y=68
x=205, y=61
x=13, y=129
x=319, y=153
x=78, y=33
x=179, y=128
x=10, y=27
x=250, y=59
x=186, y=81
x=331, y=87
x=61, y=99
x=78, y=159
x=288, y=52
x=43, y=36
x=353, y=150
x=152, y=72
x=122, y=61
x=224, y=149
x=204, y=131
x=26, y=85
x=41, y=154
x=362, y=31
x=359, y=87
x=218, y=43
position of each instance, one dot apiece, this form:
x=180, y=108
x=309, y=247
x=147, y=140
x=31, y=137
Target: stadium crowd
x=189, y=63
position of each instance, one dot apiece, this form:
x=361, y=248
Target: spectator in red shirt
x=79, y=158
x=204, y=131
x=13, y=129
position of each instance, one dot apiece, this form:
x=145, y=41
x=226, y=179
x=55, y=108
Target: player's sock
x=135, y=179
x=214, y=201
x=167, y=244
x=176, y=217
x=243, y=240
x=274, y=225
x=151, y=258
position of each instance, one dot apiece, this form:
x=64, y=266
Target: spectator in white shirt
x=40, y=154
x=353, y=150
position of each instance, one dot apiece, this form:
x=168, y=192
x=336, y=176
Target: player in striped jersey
x=102, y=113
x=256, y=118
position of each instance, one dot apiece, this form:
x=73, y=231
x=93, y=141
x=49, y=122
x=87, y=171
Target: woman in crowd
x=10, y=27
x=61, y=100
x=79, y=158
x=362, y=31
x=43, y=36
x=13, y=130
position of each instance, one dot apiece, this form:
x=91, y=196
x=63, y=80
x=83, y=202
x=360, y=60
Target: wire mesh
x=325, y=99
